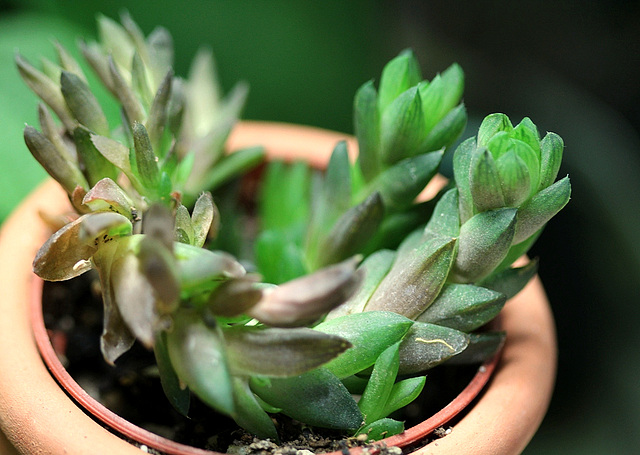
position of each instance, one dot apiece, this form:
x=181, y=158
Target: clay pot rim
x=22, y=428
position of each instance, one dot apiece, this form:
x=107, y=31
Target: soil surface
x=73, y=316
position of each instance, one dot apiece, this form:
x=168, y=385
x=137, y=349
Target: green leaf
x=374, y=268
x=271, y=244
x=464, y=307
x=381, y=429
x=370, y=333
x=482, y=346
x=527, y=132
x=462, y=174
x=234, y=296
x=179, y=397
x=83, y=104
x=279, y=352
x=515, y=178
x=403, y=393
x=130, y=103
x=106, y=195
x=158, y=113
x=285, y=195
x=441, y=95
x=415, y=279
x=483, y=243
x=535, y=213
x=446, y=131
x=367, y=130
x=551, y=148
x=402, y=128
x=249, y=413
x=375, y=396
x=399, y=75
x=428, y=345
x=97, y=166
x=350, y=233
x=517, y=250
x=61, y=169
x=445, y=219
x=491, y=125
x=204, y=214
x=146, y=160
x=184, y=226
x=316, y=398
x=512, y=280
x=197, y=353
x=233, y=165
x=401, y=183
x=486, y=186
x=199, y=268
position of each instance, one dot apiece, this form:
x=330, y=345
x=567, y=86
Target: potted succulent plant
x=326, y=295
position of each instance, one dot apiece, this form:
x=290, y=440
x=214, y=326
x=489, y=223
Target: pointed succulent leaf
x=197, y=353
x=446, y=131
x=491, y=125
x=64, y=255
x=367, y=129
x=160, y=49
x=284, y=195
x=516, y=251
x=337, y=184
x=402, y=127
x=178, y=396
x=115, y=41
x=204, y=214
x=370, y=333
x=157, y=265
x=441, y=95
x=415, y=278
x=249, y=413
x=82, y=103
x=140, y=80
x=401, y=183
x=135, y=297
x=96, y=165
x=551, y=148
x=527, y=132
x=52, y=132
x=445, y=219
x=67, y=62
x=183, y=226
x=234, y=297
x=204, y=92
x=158, y=114
x=115, y=152
x=515, y=178
x=482, y=346
x=462, y=174
x=199, y=268
x=485, y=184
x=351, y=232
x=483, y=243
x=106, y=195
x=428, y=345
x=512, y=280
x=47, y=90
x=146, y=160
x=375, y=396
x=50, y=69
x=279, y=352
x=502, y=143
x=98, y=61
x=403, y=393
x=131, y=104
x=373, y=268
x=398, y=76
x=464, y=307
x=60, y=168
x=305, y=299
x=316, y=397
x=99, y=228
x=381, y=429
x=116, y=338
x=535, y=213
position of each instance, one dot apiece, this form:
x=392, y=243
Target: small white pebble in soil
x=304, y=452
x=393, y=451
x=144, y=448
x=362, y=437
x=482, y=369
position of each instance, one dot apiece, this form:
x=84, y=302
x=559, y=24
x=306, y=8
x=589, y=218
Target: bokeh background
x=572, y=66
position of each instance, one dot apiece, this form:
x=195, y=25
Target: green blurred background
x=572, y=66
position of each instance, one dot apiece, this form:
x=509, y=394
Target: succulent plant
x=351, y=286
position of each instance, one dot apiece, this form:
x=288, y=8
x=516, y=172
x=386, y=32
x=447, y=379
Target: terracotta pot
x=37, y=416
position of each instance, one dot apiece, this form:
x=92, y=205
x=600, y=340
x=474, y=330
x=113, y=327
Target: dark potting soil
x=73, y=315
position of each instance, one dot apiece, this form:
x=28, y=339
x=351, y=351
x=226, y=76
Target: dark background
x=572, y=66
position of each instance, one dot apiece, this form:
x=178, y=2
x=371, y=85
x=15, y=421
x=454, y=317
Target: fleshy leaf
x=82, y=103
x=370, y=333
x=403, y=393
x=485, y=185
x=179, y=397
x=482, y=346
x=382, y=428
x=198, y=268
x=375, y=396
x=491, y=125
x=512, y=280
x=317, y=398
x=402, y=127
x=305, y=299
x=197, y=353
x=202, y=218
x=415, y=279
x=464, y=307
x=106, y=195
x=279, y=352
x=551, y=148
x=400, y=74
x=367, y=129
x=249, y=413
x=428, y=345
